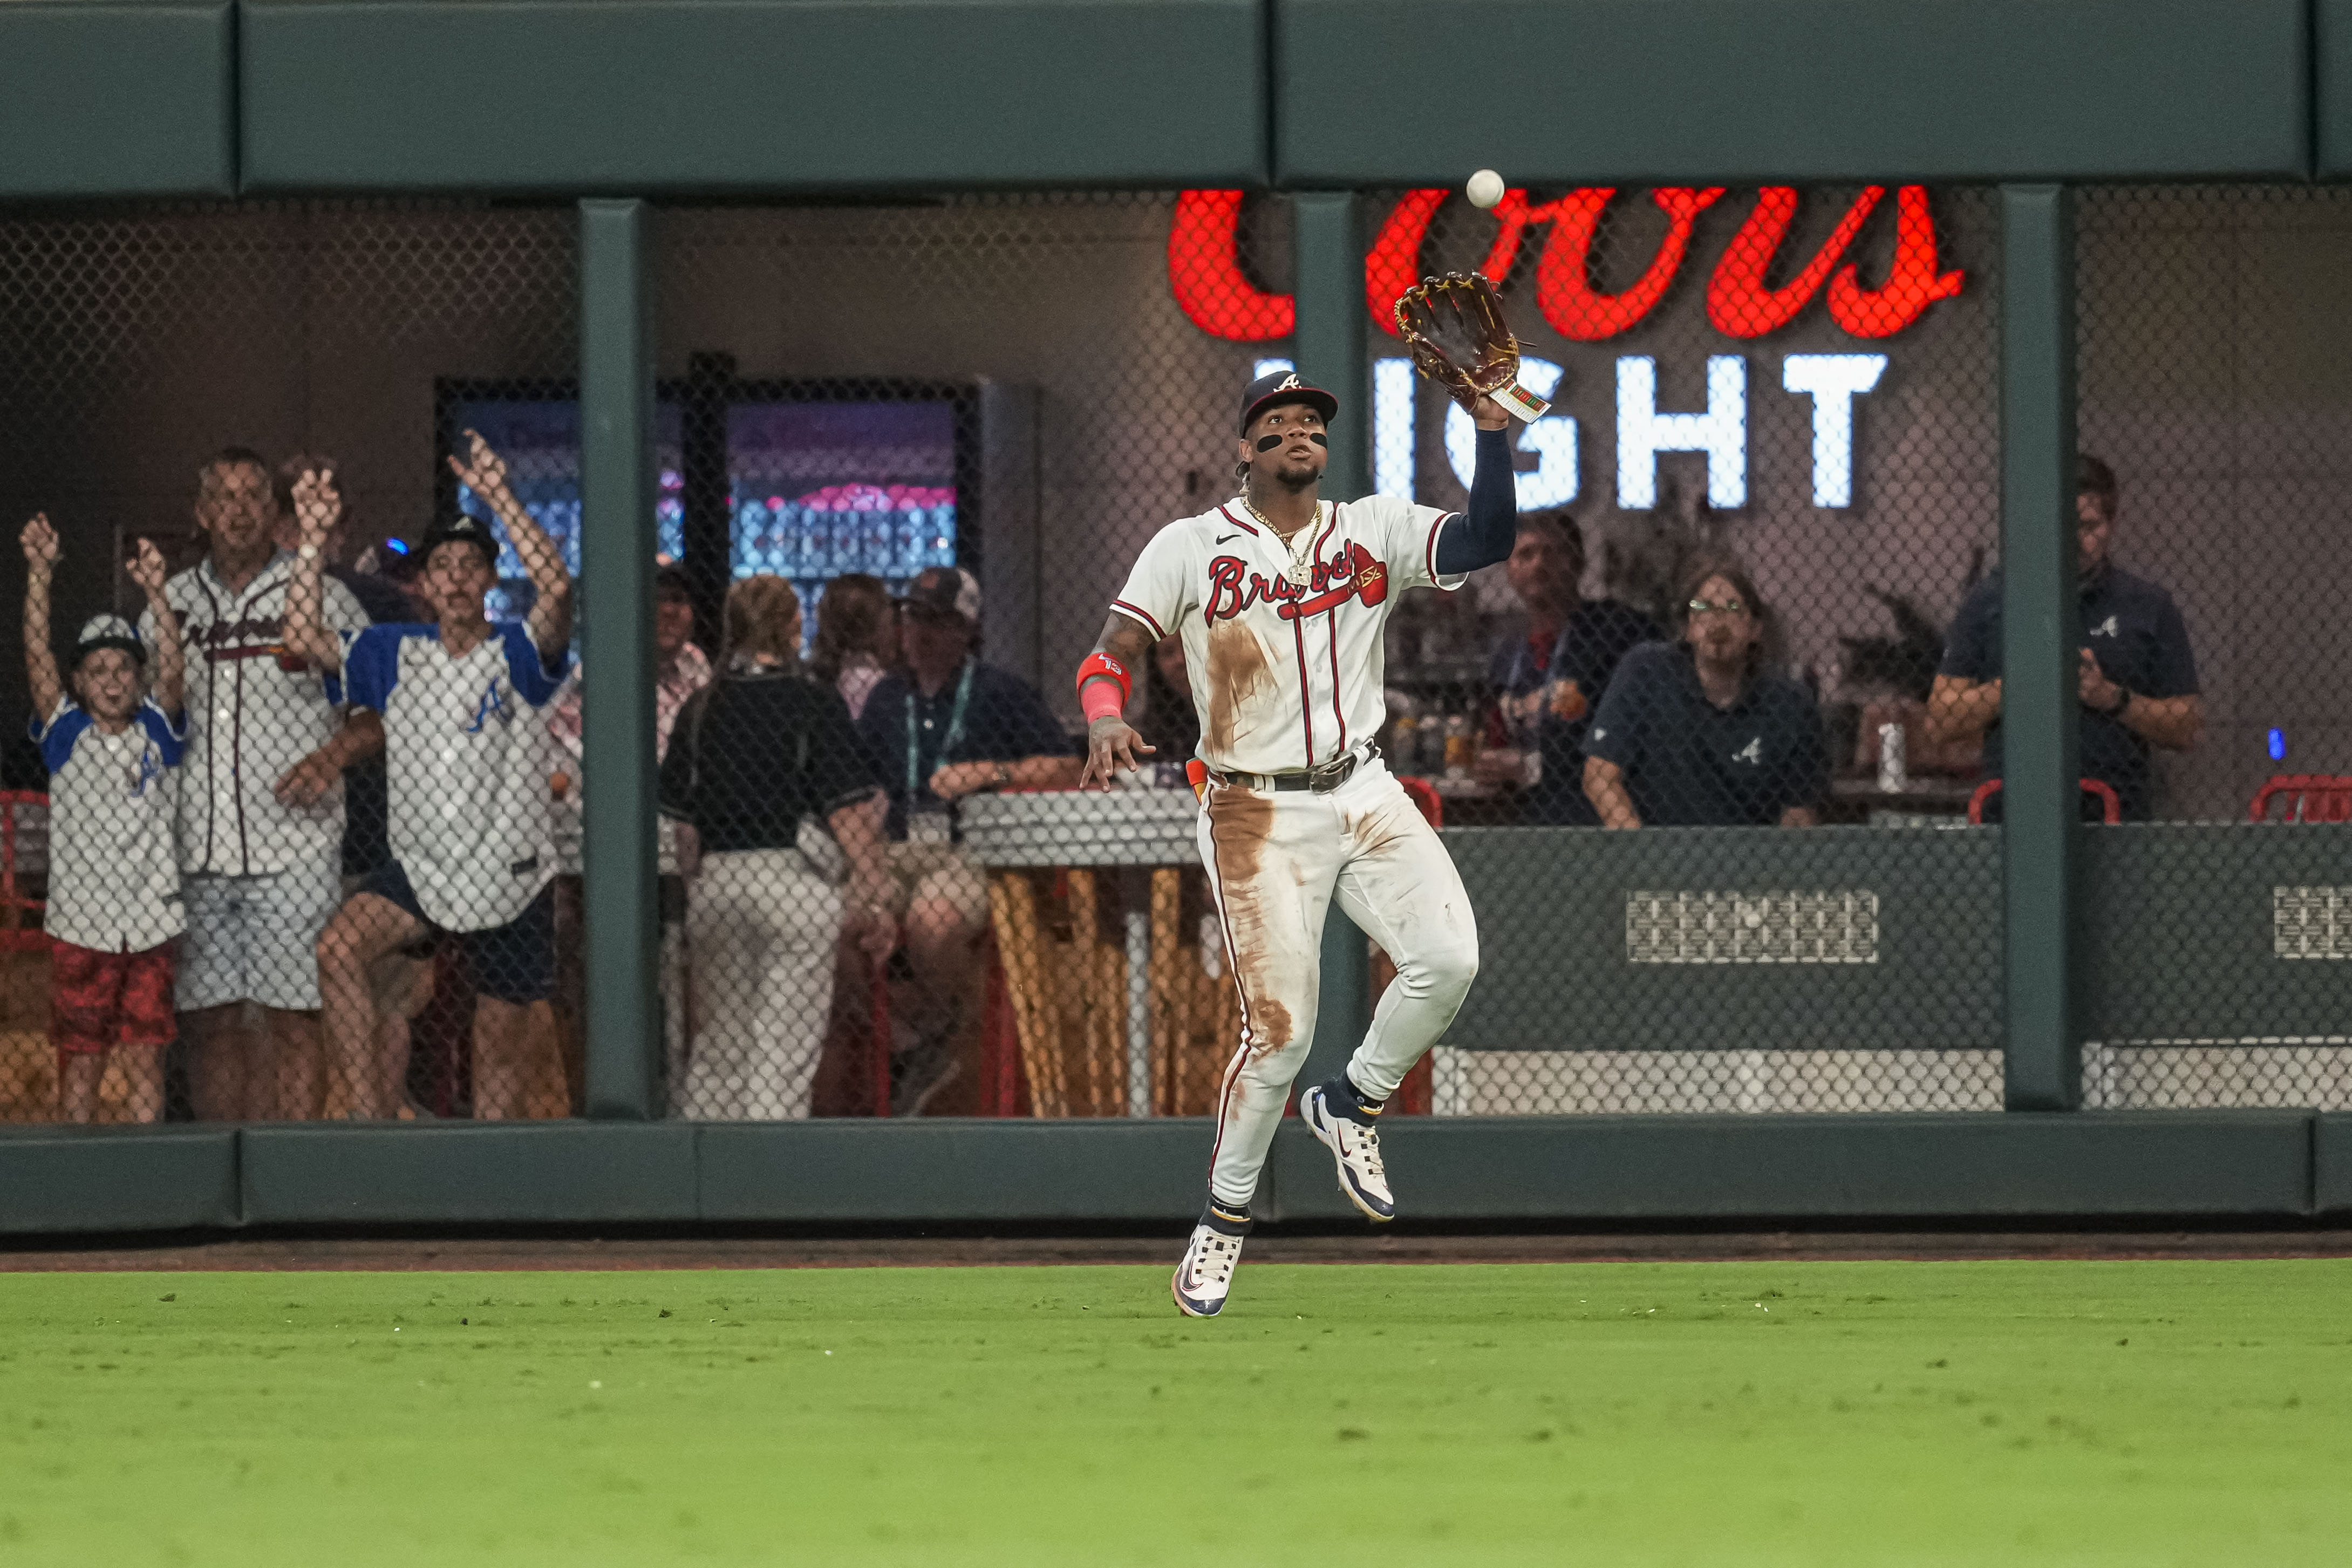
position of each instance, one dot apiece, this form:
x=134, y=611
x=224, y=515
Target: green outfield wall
x=624, y=105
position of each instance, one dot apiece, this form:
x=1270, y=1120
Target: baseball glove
x=1454, y=325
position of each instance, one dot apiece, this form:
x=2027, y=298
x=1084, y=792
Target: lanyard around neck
x=955, y=730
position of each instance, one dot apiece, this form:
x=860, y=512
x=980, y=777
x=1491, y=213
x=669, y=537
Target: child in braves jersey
x=1281, y=598
x=113, y=756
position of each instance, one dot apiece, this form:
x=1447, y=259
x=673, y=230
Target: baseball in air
x=1484, y=189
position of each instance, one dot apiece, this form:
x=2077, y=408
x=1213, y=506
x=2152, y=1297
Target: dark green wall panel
x=1554, y=974
x=653, y=98
x=2180, y=933
x=107, y=99
x=955, y=1171
x=1609, y=91
x=2331, y=1165
x=117, y=1178
x=517, y=1173
x=1665, y=1168
x=2332, y=81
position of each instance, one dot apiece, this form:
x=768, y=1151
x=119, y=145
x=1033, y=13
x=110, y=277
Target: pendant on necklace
x=1298, y=574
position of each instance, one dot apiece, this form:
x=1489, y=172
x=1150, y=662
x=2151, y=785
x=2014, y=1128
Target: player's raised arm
x=1482, y=535
x=41, y=553
x=171, y=656
x=318, y=506
x=1104, y=686
x=484, y=472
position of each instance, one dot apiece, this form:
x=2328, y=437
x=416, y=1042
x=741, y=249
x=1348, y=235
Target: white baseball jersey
x=467, y=754
x=114, y=880
x=1285, y=676
x=254, y=711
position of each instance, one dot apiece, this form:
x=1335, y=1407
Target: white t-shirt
x=1285, y=676
x=254, y=711
x=114, y=881
x=466, y=752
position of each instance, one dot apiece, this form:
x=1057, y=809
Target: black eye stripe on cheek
x=1268, y=443
x=1318, y=438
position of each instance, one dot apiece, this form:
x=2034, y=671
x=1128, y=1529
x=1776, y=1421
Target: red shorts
x=98, y=1000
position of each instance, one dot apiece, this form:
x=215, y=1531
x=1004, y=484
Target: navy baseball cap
x=1277, y=387
x=944, y=590
x=466, y=529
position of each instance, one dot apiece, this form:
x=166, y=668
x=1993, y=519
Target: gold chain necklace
x=1300, y=570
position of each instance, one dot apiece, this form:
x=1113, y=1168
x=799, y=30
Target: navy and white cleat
x=1355, y=1148
x=1205, y=1278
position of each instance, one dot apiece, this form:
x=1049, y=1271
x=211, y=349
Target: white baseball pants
x=1276, y=861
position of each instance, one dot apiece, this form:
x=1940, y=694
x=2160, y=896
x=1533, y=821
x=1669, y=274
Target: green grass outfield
x=1606, y=1414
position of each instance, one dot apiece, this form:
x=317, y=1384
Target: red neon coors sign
x=1204, y=270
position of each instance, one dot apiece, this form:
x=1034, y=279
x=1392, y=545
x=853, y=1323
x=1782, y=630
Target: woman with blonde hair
x=857, y=637
x=760, y=757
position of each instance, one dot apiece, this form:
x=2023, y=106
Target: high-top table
x=1144, y=835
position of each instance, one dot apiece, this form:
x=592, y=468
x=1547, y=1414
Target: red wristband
x=1096, y=700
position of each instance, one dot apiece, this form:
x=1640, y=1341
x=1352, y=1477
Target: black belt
x=1321, y=781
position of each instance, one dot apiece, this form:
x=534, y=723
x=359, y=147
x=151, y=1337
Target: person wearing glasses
x=1698, y=733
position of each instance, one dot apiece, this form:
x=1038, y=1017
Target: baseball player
x=261, y=806
x=460, y=707
x=1281, y=598
x=113, y=756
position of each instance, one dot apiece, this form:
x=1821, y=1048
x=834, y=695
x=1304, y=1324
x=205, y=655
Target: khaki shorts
x=938, y=873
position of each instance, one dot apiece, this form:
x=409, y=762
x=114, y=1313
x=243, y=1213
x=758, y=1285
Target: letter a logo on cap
x=1288, y=382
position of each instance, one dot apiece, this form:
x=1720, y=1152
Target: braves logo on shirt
x=1352, y=573
x=494, y=701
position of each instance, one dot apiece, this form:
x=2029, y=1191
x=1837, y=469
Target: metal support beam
x=2040, y=722
x=616, y=568
x=1332, y=353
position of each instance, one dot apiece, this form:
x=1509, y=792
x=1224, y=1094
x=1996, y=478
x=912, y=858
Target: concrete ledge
x=515, y=1172
x=1560, y=1170
x=954, y=1170
x=1755, y=1167
x=117, y=1178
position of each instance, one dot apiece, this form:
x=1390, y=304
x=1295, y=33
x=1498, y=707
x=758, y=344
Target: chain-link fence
x=2214, y=390
x=909, y=454
x=304, y=875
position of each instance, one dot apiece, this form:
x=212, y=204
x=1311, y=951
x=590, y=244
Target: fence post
x=2039, y=724
x=616, y=566
x=1328, y=237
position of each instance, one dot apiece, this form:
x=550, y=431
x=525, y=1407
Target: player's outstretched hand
x=147, y=568
x=1111, y=744
x=41, y=541
x=308, y=781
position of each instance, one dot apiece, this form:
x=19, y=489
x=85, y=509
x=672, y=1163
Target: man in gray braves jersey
x=261, y=808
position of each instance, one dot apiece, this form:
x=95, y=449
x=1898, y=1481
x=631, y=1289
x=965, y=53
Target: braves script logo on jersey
x=1351, y=574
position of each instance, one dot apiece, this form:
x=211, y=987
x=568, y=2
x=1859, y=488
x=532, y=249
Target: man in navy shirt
x=2137, y=678
x=1549, y=673
x=947, y=727
x=1697, y=733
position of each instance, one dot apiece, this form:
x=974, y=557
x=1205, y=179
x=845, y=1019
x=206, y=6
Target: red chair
x=2309, y=798
x=2111, y=809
